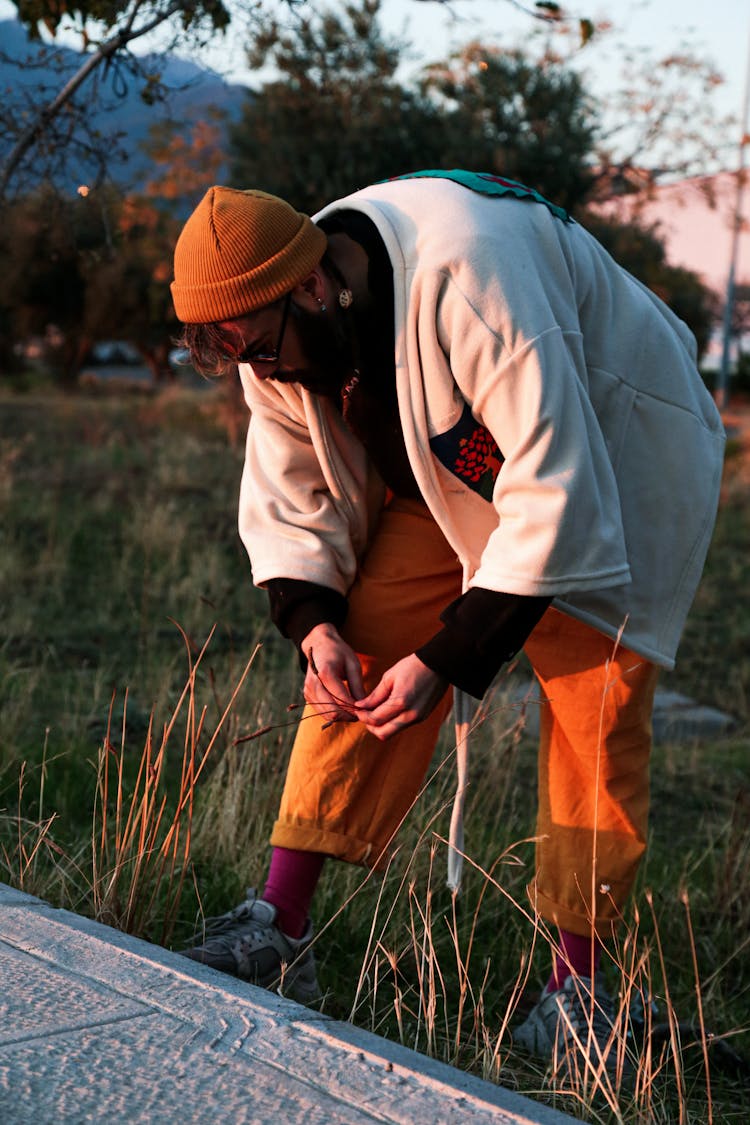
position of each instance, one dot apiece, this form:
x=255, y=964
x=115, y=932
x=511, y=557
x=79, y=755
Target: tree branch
x=105, y=51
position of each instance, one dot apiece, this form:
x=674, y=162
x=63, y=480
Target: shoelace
x=582, y=1014
x=223, y=923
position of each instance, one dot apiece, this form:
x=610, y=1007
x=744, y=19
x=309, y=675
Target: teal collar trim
x=487, y=184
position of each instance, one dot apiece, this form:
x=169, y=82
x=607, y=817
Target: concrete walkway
x=98, y=1026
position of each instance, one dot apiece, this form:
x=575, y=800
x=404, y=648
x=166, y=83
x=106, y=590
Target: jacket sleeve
x=558, y=520
x=297, y=607
x=295, y=519
x=482, y=630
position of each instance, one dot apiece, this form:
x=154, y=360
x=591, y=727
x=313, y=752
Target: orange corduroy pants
x=346, y=793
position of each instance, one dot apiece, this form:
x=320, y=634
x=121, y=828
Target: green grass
x=120, y=561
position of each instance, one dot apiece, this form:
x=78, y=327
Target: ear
x=310, y=292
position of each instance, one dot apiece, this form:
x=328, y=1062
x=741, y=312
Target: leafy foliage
x=44, y=243
x=98, y=266
x=662, y=115
x=107, y=29
x=336, y=118
x=110, y=15
x=127, y=291
x=526, y=118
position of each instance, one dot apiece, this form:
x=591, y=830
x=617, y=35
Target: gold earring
x=345, y=298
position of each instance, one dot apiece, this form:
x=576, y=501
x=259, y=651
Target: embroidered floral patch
x=469, y=451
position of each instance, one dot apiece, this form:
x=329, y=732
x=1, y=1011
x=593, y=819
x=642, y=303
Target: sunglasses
x=252, y=356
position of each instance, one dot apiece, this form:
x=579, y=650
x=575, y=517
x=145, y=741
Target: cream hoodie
x=611, y=446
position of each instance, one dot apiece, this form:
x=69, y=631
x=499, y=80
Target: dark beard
x=328, y=350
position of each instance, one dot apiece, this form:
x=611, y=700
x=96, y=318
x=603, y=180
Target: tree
x=739, y=330
x=127, y=288
x=45, y=242
x=336, y=118
x=107, y=29
x=127, y=294
x=668, y=105
x=518, y=116
x=49, y=122
x=662, y=120
x=741, y=311
x=98, y=266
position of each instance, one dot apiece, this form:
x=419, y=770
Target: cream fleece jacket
x=604, y=490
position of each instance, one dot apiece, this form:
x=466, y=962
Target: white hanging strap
x=463, y=711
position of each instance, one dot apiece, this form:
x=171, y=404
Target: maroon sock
x=574, y=957
x=292, y=879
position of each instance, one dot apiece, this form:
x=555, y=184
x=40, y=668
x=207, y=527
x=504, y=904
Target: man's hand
x=406, y=694
x=333, y=682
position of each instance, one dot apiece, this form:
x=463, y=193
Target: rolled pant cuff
x=607, y=920
x=310, y=837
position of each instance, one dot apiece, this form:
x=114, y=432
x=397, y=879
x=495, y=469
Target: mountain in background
x=120, y=113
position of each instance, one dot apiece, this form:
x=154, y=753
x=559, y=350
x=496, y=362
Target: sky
x=719, y=28
x=716, y=29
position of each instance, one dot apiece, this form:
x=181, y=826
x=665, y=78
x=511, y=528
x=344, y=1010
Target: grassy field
x=146, y=714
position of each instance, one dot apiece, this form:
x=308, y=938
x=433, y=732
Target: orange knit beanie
x=238, y=251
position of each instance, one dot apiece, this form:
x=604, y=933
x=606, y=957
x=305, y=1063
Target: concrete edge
x=139, y=963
